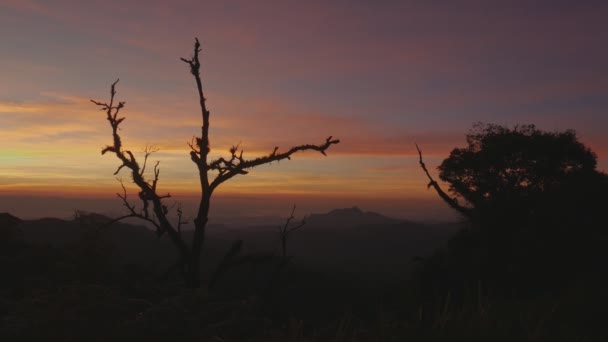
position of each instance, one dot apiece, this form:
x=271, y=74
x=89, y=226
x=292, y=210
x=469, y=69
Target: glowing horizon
x=377, y=76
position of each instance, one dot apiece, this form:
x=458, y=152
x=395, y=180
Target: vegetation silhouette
x=536, y=275
x=286, y=230
x=85, y=283
x=534, y=202
x=224, y=169
x=529, y=264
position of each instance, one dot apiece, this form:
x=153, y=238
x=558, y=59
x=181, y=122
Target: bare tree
x=287, y=229
x=212, y=173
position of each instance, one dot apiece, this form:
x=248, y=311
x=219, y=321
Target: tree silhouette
x=285, y=230
x=505, y=171
x=536, y=203
x=212, y=173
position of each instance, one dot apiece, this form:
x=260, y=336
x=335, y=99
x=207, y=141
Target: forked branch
x=224, y=169
x=285, y=230
x=147, y=189
x=237, y=165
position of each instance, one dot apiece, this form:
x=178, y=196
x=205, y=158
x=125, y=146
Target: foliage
x=535, y=205
x=511, y=169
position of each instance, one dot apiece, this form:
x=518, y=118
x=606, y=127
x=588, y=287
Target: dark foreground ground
x=350, y=277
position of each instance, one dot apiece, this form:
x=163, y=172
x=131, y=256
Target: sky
x=378, y=75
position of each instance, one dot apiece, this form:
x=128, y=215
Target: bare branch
x=180, y=221
x=118, y=169
x=147, y=152
x=123, y=197
x=286, y=227
x=131, y=208
x=156, y=174
x=148, y=190
x=445, y=197
x=237, y=165
x=300, y=225
x=285, y=230
x=153, y=208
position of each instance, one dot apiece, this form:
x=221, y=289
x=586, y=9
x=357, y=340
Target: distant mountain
x=9, y=233
x=376, y=247
x=8, y=221
x=351, y=240
x=345, y=240
x=51, y=231
x=348, y=218
x=126, y=242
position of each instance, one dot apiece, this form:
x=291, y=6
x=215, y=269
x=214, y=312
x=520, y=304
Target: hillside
x=343, y=239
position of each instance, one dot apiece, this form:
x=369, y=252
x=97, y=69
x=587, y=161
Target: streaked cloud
x=378, y=76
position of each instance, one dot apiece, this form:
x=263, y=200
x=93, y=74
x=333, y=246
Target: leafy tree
x=536, y=202
x=212, y=173
x=505, y=171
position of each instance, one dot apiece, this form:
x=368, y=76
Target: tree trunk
x=200, y=225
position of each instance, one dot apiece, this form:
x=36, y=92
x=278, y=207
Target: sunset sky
x=378, y=75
